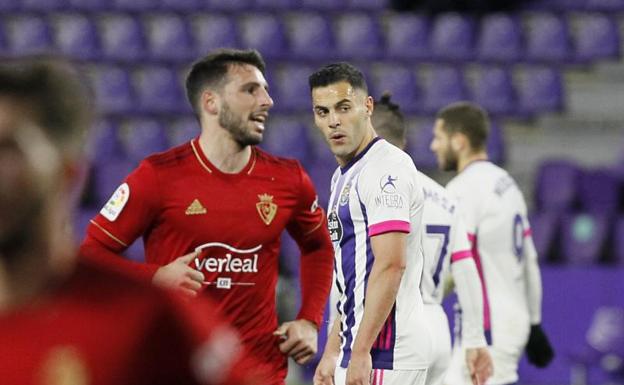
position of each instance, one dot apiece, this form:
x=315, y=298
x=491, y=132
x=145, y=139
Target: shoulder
x=265, y=159
x=172, y=157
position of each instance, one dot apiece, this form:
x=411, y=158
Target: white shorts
x=441, y=337
x=505, y=368
x=386, y=377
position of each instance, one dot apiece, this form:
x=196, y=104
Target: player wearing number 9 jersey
x=496, y=218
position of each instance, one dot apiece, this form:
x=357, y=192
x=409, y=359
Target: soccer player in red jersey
x=69, y=322
x=212, y=210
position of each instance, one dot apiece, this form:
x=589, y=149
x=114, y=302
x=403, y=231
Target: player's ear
x=458, y=141
x=209, y=102
x=369, y=103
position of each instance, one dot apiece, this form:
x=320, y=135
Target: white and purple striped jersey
x=376, y=193
x=495, y=214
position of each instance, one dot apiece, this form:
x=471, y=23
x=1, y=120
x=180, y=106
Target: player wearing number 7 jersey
x=448, y=257
x=496, y=218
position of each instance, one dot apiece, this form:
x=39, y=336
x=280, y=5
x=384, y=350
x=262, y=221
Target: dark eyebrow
x=255, y=84
x=343, y=101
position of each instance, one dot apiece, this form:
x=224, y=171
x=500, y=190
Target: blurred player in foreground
x=211, y=213
x=67, y=321
x=495, y=214
x=448, y=256
x=375, y=212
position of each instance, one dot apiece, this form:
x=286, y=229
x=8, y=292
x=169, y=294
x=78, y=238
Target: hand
x=539, y=351
x=360, y=369
x=324, y=374
x=299, y=340
x=178, y=275
x=479, y=364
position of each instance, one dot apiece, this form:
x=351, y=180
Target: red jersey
x=179, y=202
x=101, y=328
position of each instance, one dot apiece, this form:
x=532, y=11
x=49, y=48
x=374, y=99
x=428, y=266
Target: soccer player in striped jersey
x=448, y=258
x=374, y=217
x=495, y=214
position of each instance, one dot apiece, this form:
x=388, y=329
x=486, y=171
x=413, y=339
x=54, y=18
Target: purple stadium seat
x=321, y=171
x=287, y=137
x=143, y=137
x=500, y=38
x=557, y=5
x=600, y=191
x=323, y=5
x=181, y=5
x=544, y=230
x=108, y=176
x=556, y=186
x=618, y=240
x=122, y=37
x=452, y=37
x=443, y=85
x=76, y=36
x=419, y=138
x=213, y=31
x=264, y=32
x=358, y=36
x=372, y=5
x=183, y=130
x=228, y=5
x=81, y=220
x=28, y=35
x=9, y=5
x=596, y=36
x=168, y=37
x=293, y=91
x=584, y=238
x=106, y=143
x=605, y=5
x=113, y=90
x=275, y=4
x=159, y=90
x=42, y=5
x=493, y=90
x=310, y=36
x=407, y=36
x=87, y=5
x=401, y=82
x=496, y=143
x=547, y=38
x=539, y=89
x=134, y=5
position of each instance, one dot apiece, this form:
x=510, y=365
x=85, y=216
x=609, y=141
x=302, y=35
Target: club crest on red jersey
x=266, y=208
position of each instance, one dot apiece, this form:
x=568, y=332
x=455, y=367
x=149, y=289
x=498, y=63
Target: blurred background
x=549, y=72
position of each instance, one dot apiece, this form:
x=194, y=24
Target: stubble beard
x=237, y=127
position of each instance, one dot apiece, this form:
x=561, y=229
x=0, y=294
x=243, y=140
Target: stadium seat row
x=519, y=91
x=354, y=35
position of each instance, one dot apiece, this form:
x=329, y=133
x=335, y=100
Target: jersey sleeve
x=385, y=191
x=124, y=218
x=308, y=228
x=532, y=276
x=469, y=201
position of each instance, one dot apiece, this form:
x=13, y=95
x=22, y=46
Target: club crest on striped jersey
x=344, y=195
x=334, y=226
x=266, y=208
x=116, y=203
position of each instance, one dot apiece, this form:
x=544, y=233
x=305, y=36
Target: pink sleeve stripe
x=528, y=233
x=388, y=226
x=459, y=255
x=471, y=238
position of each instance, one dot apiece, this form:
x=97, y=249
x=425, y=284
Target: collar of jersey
x=207, y=165
x=360, y=155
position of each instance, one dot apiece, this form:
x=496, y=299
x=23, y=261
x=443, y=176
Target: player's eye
x=344, y=108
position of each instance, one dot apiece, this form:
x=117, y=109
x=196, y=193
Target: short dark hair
x=388, y=120
x=212, y=69
x=58, y=95
x=338, y=72
x=469, y=119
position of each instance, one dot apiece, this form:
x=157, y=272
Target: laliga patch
x=116, y=203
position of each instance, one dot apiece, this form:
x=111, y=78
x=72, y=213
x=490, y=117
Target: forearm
x=96, y=252
x=332, y=347
x=470, y=298
x=382, y=288
x=316, y=273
